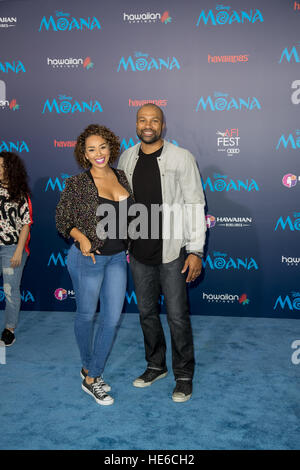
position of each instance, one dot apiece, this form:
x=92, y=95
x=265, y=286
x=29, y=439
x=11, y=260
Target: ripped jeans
x=11, y=284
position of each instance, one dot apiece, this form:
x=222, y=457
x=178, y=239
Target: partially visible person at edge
x=15, y=221
x=97, y=266
x=162, y=173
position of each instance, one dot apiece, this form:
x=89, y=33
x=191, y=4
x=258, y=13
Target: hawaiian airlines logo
x=147, y=17
x=138, y=103
x=228, y=141
x=290, y=54
x=228, y=59
x=296, y=6
x=18, y=146
x=210, y=221
x=8, y=22
x=64, y=143
x=4, y=102
x=14, y=105
x=225, y=15
x=226, y=298
x=289, y=141
x=71, y=63
x=290, y=180
x=144, y=62
x=67, y=105
x=289, y=223
x=227, y=222
x=292, y=301
x=57, y=183
x=62, y=294
x=221, y=261
x=16, y=66
x=66, y=22
x=221, y=183
x=224, y=102
x=290, y=260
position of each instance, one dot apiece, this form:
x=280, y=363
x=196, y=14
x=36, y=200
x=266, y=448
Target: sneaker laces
x=101, y=381
x=98, y=390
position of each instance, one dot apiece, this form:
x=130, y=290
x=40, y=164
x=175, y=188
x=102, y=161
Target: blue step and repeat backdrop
x=227, y=77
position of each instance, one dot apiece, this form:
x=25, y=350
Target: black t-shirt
x=147, y=190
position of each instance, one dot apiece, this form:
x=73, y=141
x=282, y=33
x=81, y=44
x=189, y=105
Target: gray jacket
x=183, y=199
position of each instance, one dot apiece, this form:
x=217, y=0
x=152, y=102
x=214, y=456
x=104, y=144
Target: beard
x=149, y=139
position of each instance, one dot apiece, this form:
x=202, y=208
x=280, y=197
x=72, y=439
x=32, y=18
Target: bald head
x=149, y=106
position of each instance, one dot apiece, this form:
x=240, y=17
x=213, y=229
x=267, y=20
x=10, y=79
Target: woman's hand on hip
x=85, y=247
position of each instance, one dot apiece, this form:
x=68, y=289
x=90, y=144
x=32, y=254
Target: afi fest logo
x=66, y=22
x=224, y=102
x=228, y=141
x=4, y=103
x=71, y=63
x=225, y=15
x=147, y=17
x=68, y=105
x=141, y=62
x=221, y=183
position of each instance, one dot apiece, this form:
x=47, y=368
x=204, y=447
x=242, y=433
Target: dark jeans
x=149, y=282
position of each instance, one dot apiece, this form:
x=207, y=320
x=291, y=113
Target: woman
x=97, y=265
x=15, y=221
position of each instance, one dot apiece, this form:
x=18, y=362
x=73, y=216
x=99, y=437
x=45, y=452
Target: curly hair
x=15, y=176
x=95, y=129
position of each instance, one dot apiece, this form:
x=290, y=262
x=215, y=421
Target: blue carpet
x=246, y=389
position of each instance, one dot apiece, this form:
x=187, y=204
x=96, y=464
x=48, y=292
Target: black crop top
x=114, y=221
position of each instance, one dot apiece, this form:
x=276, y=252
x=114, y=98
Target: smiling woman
x=97, y=266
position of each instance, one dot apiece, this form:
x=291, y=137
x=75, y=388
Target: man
x=162, y=174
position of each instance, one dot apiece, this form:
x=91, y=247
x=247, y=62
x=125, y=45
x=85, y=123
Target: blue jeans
x=11, y=284
x=149, y=281
x=105, y=280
